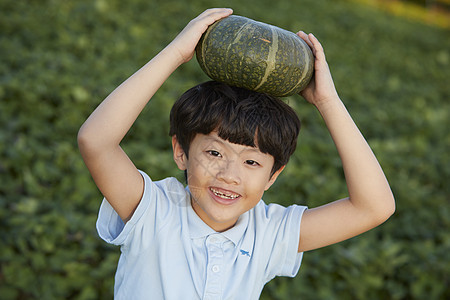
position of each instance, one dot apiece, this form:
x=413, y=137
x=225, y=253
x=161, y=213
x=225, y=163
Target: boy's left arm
x=370, y=200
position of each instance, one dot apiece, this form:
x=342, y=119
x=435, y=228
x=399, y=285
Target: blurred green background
x=59, y=59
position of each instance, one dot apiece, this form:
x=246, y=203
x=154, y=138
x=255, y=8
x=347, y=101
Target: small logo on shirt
x=243, y=252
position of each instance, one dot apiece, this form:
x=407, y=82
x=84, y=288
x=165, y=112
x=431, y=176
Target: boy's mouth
x=228, y=196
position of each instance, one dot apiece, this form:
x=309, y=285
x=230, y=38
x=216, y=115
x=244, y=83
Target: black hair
x=240, y=116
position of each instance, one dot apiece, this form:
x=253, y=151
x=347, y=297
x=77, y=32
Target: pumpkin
x=254, y=55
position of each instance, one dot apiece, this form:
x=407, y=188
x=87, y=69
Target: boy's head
x=239, y=116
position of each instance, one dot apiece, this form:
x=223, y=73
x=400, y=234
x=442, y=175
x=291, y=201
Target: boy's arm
x=370, y=200
x=99, y=137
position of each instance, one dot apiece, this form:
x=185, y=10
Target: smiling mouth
x=224, y=194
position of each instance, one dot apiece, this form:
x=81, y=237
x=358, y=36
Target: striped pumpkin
x=254, y=55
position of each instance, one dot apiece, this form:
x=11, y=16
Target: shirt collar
x=199, y=229
x=236, y=232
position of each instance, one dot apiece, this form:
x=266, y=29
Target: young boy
x=216, y=238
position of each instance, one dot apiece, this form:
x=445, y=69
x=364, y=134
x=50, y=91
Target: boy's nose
x=229, y=173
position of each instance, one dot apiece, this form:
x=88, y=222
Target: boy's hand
x=187, y=39
x=321, y=89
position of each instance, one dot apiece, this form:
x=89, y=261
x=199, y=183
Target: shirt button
x=215, y=268
x=213, y=240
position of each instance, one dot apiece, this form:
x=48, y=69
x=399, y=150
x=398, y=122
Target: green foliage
x=59, y=59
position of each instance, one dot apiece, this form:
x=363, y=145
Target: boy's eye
x=251, y=162
x=214, y=153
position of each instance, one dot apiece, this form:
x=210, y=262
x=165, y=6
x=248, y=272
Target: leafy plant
x=61, y=58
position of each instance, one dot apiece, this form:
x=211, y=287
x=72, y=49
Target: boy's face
x=225, y=179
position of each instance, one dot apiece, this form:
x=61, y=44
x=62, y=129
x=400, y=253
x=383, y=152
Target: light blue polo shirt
x=168, y=252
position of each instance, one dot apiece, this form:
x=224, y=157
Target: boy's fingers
x=317, y=46
x=313, y=43
x=217, y=10
x=209, y=16
x=304, y=37
x=307, y=39
x=215, y=13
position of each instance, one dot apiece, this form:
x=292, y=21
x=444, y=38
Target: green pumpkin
x=254, y=55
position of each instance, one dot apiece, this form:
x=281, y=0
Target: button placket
x=213, y=287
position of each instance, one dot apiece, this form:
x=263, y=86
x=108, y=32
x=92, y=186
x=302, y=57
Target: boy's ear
x=178, y=154
x=274, y=177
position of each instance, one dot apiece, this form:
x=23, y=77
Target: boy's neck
x=216, y=226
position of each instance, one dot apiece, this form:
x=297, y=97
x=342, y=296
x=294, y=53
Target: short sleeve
x=281, y=239
x=151, y=213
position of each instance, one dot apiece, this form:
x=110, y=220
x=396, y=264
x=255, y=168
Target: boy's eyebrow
x=222, y=142
x=214, y=139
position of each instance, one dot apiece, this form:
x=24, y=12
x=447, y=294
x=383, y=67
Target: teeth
x=225, y=196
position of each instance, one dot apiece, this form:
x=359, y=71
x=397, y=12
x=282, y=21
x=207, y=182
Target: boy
x=216, y=239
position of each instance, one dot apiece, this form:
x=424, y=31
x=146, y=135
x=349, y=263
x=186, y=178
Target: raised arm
x=100, y=136
x=370, y=200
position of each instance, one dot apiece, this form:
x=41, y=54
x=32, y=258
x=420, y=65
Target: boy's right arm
x=100, y=136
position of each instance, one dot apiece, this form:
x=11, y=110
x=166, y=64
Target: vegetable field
x=60, y=59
